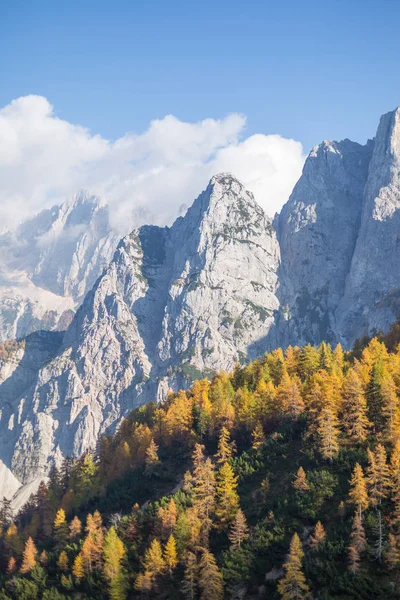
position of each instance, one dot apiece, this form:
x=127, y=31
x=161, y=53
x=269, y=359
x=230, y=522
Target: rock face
x=372, y=295
x=317, y=231
x=175, y=303
x=49, y=264
x=339, y=240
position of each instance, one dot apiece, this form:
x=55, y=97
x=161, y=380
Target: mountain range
x=104, y=325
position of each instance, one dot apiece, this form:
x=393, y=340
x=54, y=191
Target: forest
x=279, y=480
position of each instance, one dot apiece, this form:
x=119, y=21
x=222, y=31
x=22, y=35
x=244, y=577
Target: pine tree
x=239, y=531
x=354, y=407
x=293, y=585
x=189, y=585
x=227, y=500
x=29, y=556
x=258, y=437
x=300, y=483
x=62, y=561
x=170, y=555
x=78, y=570
x=328, y=432
x=358, y=489
x=43, y=558
x=319, y=535
x=210, y=578
x=152, y=460
x=60, y=529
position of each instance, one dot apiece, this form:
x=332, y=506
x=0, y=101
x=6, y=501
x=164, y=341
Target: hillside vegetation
x=279, y=480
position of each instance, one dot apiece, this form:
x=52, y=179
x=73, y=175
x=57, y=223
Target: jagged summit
x=174, y=304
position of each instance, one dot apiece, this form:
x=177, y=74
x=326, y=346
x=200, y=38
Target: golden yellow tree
x=328, y=433
x=258, y=437
x=62, y=562
x=203, y=488
x=152, y=460
x=354, y=408
x=378, y=475
x=153, y=559
x=78, y=570
x=225, y=446
x=391, y=408
x=60, y=528
x=318, y=536
x=300, y=483
x=170, y=555
x=293, y=585
x=113, y=554
x=29, y=556
x=358, y=494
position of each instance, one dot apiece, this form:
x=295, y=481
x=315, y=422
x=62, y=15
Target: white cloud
x=145, y=177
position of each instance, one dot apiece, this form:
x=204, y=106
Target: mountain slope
x=173, y=304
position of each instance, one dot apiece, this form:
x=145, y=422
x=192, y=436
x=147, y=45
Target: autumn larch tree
x=328, y=433
x=358, y=542
x=240, y=530
x=152, y=460
x=75, y=528
x=63, y=562
x=354, y=408
x=358, y=494
x=29, y=556
x=78, y=570
x=170, y=555
x=293, y=585
x=189, y=584
x=378, y=475
x=60, y=529
x=203, y=488
x=225, y=446
x=300, y=483
x=318, y=536
x=258, y=437
x=210, y=578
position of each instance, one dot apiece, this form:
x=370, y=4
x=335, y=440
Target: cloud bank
x=147, y=177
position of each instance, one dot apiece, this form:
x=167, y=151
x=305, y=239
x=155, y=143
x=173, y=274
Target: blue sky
x=303, y=69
